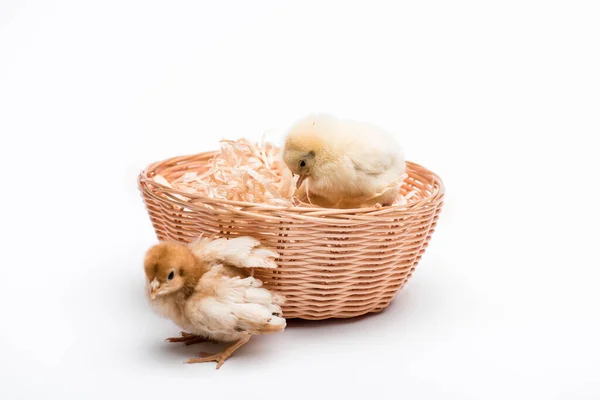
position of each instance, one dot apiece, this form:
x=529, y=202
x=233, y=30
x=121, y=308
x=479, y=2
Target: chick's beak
x=154, y=286
x=300, y=180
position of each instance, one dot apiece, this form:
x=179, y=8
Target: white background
x=502, y=99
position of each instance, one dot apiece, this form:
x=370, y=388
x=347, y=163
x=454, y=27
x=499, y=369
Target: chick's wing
x=228, y=305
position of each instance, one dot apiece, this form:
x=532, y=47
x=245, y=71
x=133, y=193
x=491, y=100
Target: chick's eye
x=302, y=163
x=171, y=275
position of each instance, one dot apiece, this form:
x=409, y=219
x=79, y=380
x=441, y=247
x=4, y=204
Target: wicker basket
x=334, y=263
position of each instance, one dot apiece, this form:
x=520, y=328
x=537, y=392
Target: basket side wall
x=326, y=270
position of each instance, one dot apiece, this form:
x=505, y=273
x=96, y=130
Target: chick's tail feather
x=274, y=325
x=277, y=299
x=257, y=319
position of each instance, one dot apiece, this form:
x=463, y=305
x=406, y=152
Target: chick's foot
x=188, y=339
x=220, y=358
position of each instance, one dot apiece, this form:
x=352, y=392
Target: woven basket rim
x=144, y=178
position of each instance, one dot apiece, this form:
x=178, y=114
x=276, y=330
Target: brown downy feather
x=162, y=258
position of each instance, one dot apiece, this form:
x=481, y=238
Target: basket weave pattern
x=333, y=263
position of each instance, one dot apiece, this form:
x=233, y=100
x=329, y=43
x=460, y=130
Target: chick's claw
x=187, y=339
x=220, y=358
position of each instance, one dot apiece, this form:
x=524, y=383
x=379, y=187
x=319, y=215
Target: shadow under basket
x=333, y=263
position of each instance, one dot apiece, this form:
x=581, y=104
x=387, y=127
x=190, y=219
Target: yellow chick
x=347, y=164
x=209, y=299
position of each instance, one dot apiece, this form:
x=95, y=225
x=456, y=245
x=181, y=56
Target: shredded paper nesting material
x=246, y=172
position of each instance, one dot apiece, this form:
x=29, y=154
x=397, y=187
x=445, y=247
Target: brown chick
x=209, y=301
